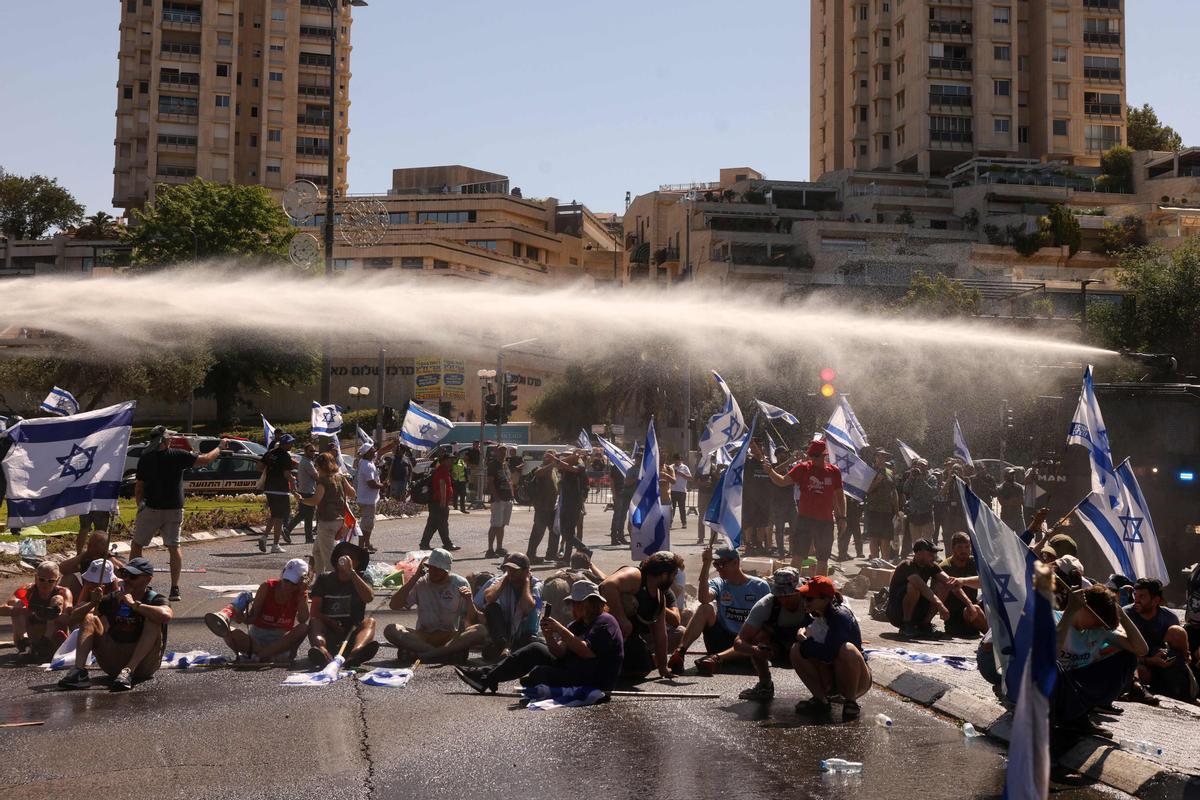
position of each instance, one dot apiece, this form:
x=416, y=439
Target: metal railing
x=957, y=27
x=1105, y=5
x=952, y=136
x=309, y=150
x=1102, y=73
x=185, y=17
x=321, y=120
x=962, y=101
x=176, y=48
x=1096, y=37
x=180, y=79
x=1102, y=109
x=953, y=64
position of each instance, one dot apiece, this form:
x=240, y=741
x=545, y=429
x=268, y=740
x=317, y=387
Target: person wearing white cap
x=277, y=617
x=588, y=652
x=367, y=486
x=447, y=621
x=72, y=569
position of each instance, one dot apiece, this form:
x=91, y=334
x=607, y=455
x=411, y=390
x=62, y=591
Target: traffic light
x=491, y=410
x=510, y=400
x=389, y=418
x=828, y=376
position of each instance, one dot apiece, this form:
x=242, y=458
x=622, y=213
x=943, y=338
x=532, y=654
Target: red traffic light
x=828, y=374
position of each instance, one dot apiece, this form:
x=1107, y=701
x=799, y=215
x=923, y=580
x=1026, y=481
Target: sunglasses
x=47, y=580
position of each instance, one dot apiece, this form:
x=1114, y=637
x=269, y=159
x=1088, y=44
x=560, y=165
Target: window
x=885, y=142
x=445, y=217
x=862, y=114
x=378, y=262
x=131, y=7
x=439, y=264
x=253, y=82
x=1062, y=91
x=1060, y=55
x=278, y=15
x=274, y=135
x=275, y=76
x=862, y=149
x=1102, y=104
x=254, y=140
x=224, y=41
x=277, y=48
x=862, y=13
x=1003, y=88
x=862, y=83
x=1060, y=20
x=143, y=87
x=486, y=244
x=532, y=253
x=127, y=92
x=1001, y=125
x=1002, y=52
x=1107, y=68
x=1023, y=134
x=1023, y=63
x=398, y=218
x=222, y=70
x=1023, y=98
x=222, y=101
x=887, y=41
x=1001, y=14
x=1102, y=137
x=950, y=129
x=885, y=73
x=254, y=111
x=412, y=262
x=1060, y=127
x=273, y=169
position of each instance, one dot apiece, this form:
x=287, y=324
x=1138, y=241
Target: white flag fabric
x=326, y=420
x=648, y=516
x=64, y=656
x=907, y=453
x=775, y=412
x=844, y=425
x=726, y=426
x=856, y=473
x=960, y=443
x=191, y=658
x=422, y=430
x=1087, y=429
x=545, y=698
x=618, y=457
x=583, y=440
x=388, y=678
x=1125, y=534
x=332, y=672
x=1027, y=776
x=60, y=402
x=268, y=432
x=724, y=512
x=63, y=467
x=771, y=445
x=363, y=437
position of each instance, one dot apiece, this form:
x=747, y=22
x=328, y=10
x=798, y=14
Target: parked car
x=231, y=473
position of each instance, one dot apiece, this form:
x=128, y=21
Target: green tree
x=201, y=219
x=100, y=225
x=1064, y=228
x=248, y=364
x=1146, y=132
x=31, y=206
x=1117, y=237
x=1117, y=165
x=939, y=296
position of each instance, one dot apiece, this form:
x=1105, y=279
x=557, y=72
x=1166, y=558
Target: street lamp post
x=1083, y=326
x=689, y=199
x=360, y=391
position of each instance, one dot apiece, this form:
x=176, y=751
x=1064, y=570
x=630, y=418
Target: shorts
x=263, y=637
x=94, y=521
x=1193, y=633
x=501, y=513
x=782, y=640
x=164, y=522
x=815, y=532
x=717, y=638
x=366, y=518
x=879, y=525
x=280, y=505
x=895, y=611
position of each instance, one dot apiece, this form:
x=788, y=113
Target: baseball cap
x=136, y=567
x=1050, y=551
x=785, y=581
x=1068, y=565
x=93, y=574
x=287, y=438
x=441, y=559
x=924, y=544
x=517, y=561
x=818, y=586
x=1064, y=545
x=727, y=553
x=295, y=570
x=157, y=434
x=582, y=590
x=816, y=448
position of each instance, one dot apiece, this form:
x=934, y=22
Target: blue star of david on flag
x=78, y=462
x=1133, y=529
x=732, y=430
x=1003, y=590
x=1080, y=430
x=843, y=462
x=736, y=475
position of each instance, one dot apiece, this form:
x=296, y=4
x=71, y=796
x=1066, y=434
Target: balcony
x=313, y=120
x=320, y=60
x=312, y=91
x=949, y=64
x=183, y=82
x=1102, y=39
x=181, y=52
x=957, y=29
x=1103, y=109
x=310, y=150
x=950, y=100
x=1102, y=5
x=180, y=19
x=955, y=140
x=313, y=32
x=168, y=173
x=1102, y=74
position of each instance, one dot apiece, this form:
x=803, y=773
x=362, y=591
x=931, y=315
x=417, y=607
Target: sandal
x=813, y=706
x=708, y=665
x=761, y=692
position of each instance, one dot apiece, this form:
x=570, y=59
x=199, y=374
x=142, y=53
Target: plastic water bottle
x=840, y=765
x=883, y=720
x=969, y=731
x=1143, y=747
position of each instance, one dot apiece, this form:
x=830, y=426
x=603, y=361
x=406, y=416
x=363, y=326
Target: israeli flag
x=724, y=512
x=618, y=457
x=771, y=446
x=422, y=429
x=332, y=672
x=907, y=453
x=1087, y=429
x=647, y=515
x=584, y=440
x=60, y=402
x=1027, y=776
x=844, y=425
x=727, y=425
x=362, y=437
x=1140, y=538
x=1005, y=567
x=389, y=678
x=268, y=432
x=960, y=443
x=856, y=473
x=60, y=468
x=326, y=420
x=775, y=412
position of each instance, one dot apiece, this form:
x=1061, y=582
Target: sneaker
x=23, y=643
x=174, y=597
x=218, y=622
x=489, y=554
x=124, y=680
x=851, y=709
x=262, y=543
x=675, y=662
x=707, y=666
x=760, y=692
x=287, y=538
x=316, y=659
x=501, y=552
x=814, y=707
x=476, y=679
x=1138, y=694
x=76, y=678
x=277, y=549
x=909, y=631
x=363, y=654
x=451, y=547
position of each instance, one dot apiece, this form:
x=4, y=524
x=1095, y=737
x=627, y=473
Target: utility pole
x=379, y=390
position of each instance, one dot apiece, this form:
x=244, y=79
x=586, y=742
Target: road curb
x=198, y=536
x=1098, y=759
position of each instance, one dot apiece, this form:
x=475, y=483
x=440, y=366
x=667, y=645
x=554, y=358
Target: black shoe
x=124, y=680
x=851, y=710
x=363, y=654
x=316, y=659
x=476, y=679
x=489, y=554
x=308, y=540
x=287, y=538
x=75, y=679
x=174, y=596
x=452, y=547
x=909, y=631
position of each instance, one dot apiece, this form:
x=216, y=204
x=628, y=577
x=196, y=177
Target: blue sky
x=576, y=100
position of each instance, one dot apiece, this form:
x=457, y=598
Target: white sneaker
x=277, y=549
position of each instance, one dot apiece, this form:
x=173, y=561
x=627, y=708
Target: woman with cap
x=828, y=654
x=329, y=498
x=277, y=617
x=278, y=470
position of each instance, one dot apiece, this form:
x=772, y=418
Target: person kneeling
x=828, y=653
x=447, y=619
x=588, y=652
x=126, y=629
x=770, y=631
x=339, y=610
x=40, y=612
x=277, y=617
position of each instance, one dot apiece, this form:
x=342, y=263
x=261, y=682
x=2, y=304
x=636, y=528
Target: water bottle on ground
x=969, y=731
x=1138, y=746
x=883, y=720
x=841, y=765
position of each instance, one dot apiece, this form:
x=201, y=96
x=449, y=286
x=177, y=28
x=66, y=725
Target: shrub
x=1064, y=228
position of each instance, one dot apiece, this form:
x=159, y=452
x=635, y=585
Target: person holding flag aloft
x=821, y=503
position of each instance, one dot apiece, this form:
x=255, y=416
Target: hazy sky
x=576, y=100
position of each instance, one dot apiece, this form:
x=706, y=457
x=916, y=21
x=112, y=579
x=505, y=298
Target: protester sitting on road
x=127, y=630
x=967, y=620
x=640, y=599
x=339, y=610
x=277, y=617
x=557, y=588
x=725, y=602
x=72, y=569
x=918, y=590
x=1166, y=668
x=587, y=652
x=40, y=613
x=828, y=654
x=770, y=631
x=1098, y=652
x=329, y=499
x=511, y=604
x=278, y=470
x=447, y=626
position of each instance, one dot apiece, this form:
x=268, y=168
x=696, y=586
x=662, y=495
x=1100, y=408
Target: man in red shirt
x=441, y=496
x=821, y=503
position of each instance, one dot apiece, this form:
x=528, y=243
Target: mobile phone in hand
x=546, y=609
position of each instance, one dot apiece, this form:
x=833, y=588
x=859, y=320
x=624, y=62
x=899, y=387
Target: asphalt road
x=236, y=733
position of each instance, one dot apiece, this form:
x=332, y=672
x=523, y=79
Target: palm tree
x=100, y=225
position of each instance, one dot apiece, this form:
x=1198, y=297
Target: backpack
x=879, y=605
x=421, y=488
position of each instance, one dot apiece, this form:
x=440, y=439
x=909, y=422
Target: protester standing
x=306, y=485
x=683, y=477
x=821, y=504
x=329, y=500
x=500, y=489
x=441, y=497
x=458, y=476
x=278, y=470
x=882, y=506
x=367, y=486
x=1012, y=501
x=543, y=497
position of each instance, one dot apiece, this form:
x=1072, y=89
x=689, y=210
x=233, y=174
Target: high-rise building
x=229, y=90
x=923, y=85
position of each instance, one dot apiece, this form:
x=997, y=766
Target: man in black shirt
x=127, y=630
x=339, y=609
x=543, y=496
x=279, y=479
x=159, y=495
x=918, y=590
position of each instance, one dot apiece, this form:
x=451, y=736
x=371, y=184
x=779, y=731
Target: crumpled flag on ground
x=957, y=662
x=544, y=697
x=391, y=678
x=332, y=672
x=192, y=658
x=64, y=656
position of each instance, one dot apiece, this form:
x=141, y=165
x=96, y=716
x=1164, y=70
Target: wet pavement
x=226, y=733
